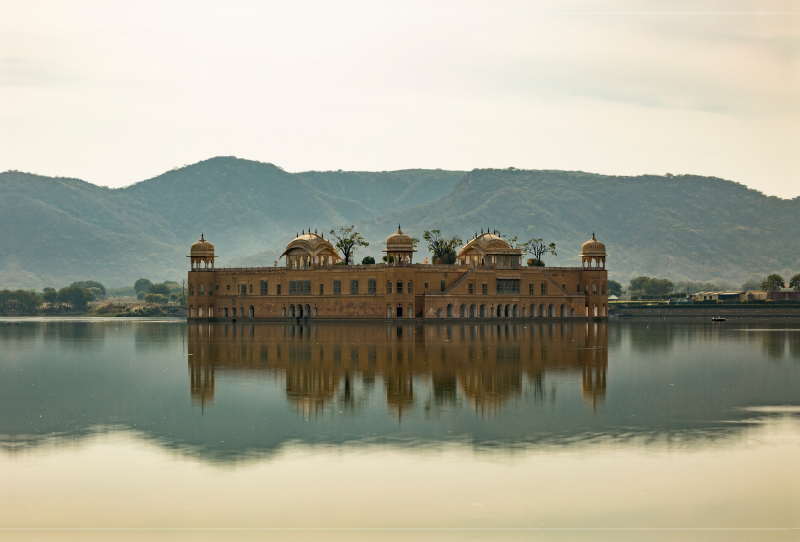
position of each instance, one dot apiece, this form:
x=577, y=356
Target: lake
x=625, y=430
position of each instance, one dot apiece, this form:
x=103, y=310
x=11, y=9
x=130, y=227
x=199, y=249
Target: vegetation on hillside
x=683, y=228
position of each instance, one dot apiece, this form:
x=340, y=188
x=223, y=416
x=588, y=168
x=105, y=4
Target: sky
x=118, y=92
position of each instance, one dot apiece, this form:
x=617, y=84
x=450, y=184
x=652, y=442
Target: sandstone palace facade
x=488, y=281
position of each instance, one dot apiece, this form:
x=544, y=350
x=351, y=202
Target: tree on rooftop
x=773, y=283
x=348, y=241
x=537, y=248
x=442, y=248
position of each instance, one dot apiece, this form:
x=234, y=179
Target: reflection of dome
x=593, y=247
x=399, y=242
x=202, y=248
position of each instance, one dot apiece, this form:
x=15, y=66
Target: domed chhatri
x=202, y=254
x=400, y=247
x=309, y=249
x=593, y=254
x=489, y=249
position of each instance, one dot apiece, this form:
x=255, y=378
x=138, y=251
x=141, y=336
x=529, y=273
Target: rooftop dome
x=593, y=246
x=312, y=243
x=399, y=242
x=487, y=243
x=202, y=248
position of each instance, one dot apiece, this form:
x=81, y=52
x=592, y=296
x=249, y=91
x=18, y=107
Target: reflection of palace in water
x=486, y=364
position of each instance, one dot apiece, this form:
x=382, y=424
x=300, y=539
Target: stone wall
x=742, y=311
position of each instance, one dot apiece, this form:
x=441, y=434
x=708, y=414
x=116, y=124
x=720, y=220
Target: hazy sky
x=117, y=92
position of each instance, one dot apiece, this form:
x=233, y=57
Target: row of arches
x=515, y=311
x=202, y=263
x=299, y=311
x=464, y=311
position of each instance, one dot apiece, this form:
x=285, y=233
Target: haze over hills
x=56, y=230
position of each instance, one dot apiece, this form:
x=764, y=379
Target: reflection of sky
x=672, y=383
x=118, y=481
x=623, y=88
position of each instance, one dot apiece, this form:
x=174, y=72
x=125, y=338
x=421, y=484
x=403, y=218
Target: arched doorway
x=473, y=310
x=252, y=311
x=533, y=312
x=499, y=311
x=542, y=310
x=563, y=310
x=399, y=311
x=450, y=311
x=572, y=312
x=291, y=311
x=483, y=310
x=552, y=311
x=307, y=311
x=191, y=312
x=438, y=313
x=515, y=312
x=462, y=311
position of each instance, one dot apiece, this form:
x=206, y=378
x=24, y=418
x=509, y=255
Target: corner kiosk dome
x=400, y=247
x=593, y=254
x=202, y=254
x=310, y=249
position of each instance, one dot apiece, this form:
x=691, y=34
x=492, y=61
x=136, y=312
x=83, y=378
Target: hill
x=57, y=230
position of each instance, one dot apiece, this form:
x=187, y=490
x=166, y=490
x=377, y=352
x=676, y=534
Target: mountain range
x=684, y=227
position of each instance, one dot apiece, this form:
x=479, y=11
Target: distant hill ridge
x=56, y=230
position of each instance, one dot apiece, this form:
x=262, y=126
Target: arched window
x=202, y=312
x=410, y=287
x=594, y=289
x=399, y=286
x=191, y=289
x=388, y=286
x=603, y=289
x=202, y=290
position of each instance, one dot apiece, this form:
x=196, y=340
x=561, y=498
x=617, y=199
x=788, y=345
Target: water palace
x=488, y=281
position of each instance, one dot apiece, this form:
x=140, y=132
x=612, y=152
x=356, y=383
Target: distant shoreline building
x=489, y=281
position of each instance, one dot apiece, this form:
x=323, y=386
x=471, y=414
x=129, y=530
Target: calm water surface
x=145, y=430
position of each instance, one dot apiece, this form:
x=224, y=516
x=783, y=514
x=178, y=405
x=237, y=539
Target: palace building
x=489, y=280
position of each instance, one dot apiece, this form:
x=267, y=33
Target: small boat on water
x=717, y=319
